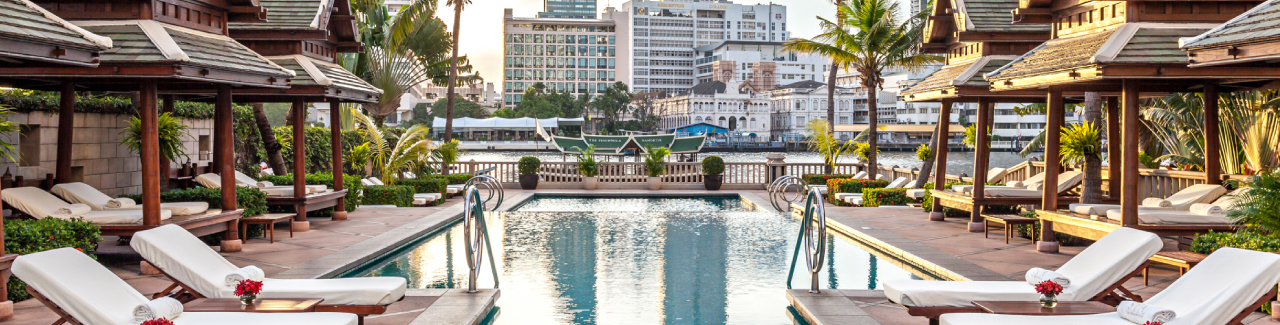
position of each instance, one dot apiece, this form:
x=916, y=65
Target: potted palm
x=655, y=164
x=588, y=166
x=528, y=167
x=713, y=168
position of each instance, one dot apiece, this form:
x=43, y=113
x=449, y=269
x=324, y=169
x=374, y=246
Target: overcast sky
x=481, y=36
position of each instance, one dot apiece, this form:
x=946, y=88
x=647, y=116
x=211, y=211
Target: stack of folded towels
x=121, y=203
x=72, y=210
x=1140, y=313
x=163, y=307
x=245, y=273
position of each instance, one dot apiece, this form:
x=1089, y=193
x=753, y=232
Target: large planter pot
x=529, y=182
x=590, y=183
x=713, y=182
x=655, y=183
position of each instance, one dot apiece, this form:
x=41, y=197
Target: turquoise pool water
x=711, y=260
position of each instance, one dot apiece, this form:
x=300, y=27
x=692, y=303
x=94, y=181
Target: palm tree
x=411, y=152
x=458, y=5
x=869, y=38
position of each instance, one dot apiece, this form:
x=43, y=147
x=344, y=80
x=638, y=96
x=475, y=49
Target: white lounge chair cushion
x=427, y=196
x=843, y=196
x=1171, y=217
x=1199, y=193
x=1012, y=192
x=209, y=180
x=266, y=318
x=916, y=193
x=184, y=257
x=1092, y=209
x=84, y=194
x=860, y=175
x=996, y=174
x=897, y=182
x=918, y=293
x=41, y=204
x=453, y=189
x=417, y=201
x=822, y=189
x=854, y=200
x=991, y=319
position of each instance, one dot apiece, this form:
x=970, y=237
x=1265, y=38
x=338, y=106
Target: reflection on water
x=637, y=261
x=957, y=162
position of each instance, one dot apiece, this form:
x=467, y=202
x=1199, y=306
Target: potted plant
x=529, y=166
x=655, y=165
x=588, y=166
x=713, y=167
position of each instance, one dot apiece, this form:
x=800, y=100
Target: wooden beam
x=1212, y=149
x=981, y=157
x=1007, y=37
x=1052, y=164
x=1114, y=147
x=224, y=137
x=335, y=138
x=300, y=157
x=1129, y=199
x=940, y=158
x=149, y=152
x=66, y=131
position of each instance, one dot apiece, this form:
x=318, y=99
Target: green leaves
x=1259, y=206
x=655, y=160
x=528, y=165
x=822, y=141
x=924, y=152
x=34, y=236
x=6, y=127
x=1080, y=141
x=587, y=163
x=713, y=165
x=171, y=132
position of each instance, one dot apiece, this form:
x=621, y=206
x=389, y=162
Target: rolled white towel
x=72, y=210
x=1140, y=313
x=163, y=307
x=1036, y=275
x=1013, y=184
x=265, y=184
x=1036, y=187
x=121, y=203
x=1206, y=209
x=245, y=273
x=1152, y=202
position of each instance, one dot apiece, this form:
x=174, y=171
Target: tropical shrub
x=49, y=101
x=1259, y=207
x=655, y=162
x=874, y=197
x=397, y=195
x=171, y=132
x=357, y=159
x=427, y=185
x=1147, y=161
x=351, y=183
x=446, y=155
x=1245, y=239
x=452, y=179
x=588, y=166
x=824, y=142
x=7, y=151
x=713, y=165
x=528, y=165
x=851, y=186
x=251, y=200
x=1079, y=142
x=817, y=179
x=319, y=149
x=24, y=236
x=923, y=152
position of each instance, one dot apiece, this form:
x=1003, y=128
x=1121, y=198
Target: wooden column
x=1114, y=148
x=1052, y=164
x=1212, y=149
x=981, y=158
x=66, y=131
x=300, y=159
x=1129, y=199
x=335, y=135
x=149, y=152
x=164, y=162
x=224, y=136
x=940, y=158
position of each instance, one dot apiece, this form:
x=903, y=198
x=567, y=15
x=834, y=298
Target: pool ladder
x=782, y=187
x=813, y=237
x=474, y=230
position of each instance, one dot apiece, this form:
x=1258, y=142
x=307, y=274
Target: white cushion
x=1168, y=217
x=40, y=204
x=84, y=194
x=916, y=193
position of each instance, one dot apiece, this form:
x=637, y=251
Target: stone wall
x=98, y=158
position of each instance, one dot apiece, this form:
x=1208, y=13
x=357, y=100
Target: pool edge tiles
x=943, y=266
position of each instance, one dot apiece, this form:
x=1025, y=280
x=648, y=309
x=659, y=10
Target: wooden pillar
x=1129, y=199
x=149, y=152
x=164, y=162
x=300, y=160
x=224, y=136
x=1212, y=150
x=335, y=135
x=940, y=158
x=981, y=158
x=1114, y=148
x=66, y=131
x=1052, y=166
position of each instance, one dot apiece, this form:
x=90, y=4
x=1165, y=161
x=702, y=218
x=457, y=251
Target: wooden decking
x=1084, y=226
x=960, y=201
x=308, y=203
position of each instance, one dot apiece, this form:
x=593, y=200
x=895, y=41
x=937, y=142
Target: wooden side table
x=1184, y=260
x=1034, y=308
x=268, y=220
x=261, y=305
x=1009, y=221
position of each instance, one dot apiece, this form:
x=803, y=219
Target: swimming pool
x=703, y=260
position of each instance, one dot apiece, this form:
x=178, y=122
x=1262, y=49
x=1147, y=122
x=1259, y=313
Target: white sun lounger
x=189, y=262
x=1066, y=182
x=40, y=204
x=856, y=198
x=1224, y=288
x=68, y=281
x=1181, y=201
x=1094, y=273
x=84, y=194
x=212, y=180
x=1183, y=216
x=993, y=175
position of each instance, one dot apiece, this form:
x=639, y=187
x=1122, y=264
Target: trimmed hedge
x=874, y=197
x=453, y=179
x=351, y=183
x=32, y=236
x=851, y=186
x=252, y=200
x=818, y=179
x=397, y=195
x=1245, y=239
x=529, y=165
x=426, y=185
x=24, y=101
x=713, y=165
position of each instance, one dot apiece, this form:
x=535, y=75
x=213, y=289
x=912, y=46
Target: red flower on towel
x=248, y=288
x=1152, y=323
x=157, y=321
x=1049, y=288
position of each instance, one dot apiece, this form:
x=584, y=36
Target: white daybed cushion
x=1097, y=267
x=843, y=196
x=209, y=180
x=84, y=194
x=1069, y=180
x=860, y=175
x=897, y=183
x=183, y=256
x=917, y=193
x=1171, y=217
x=854, y=200
x=1092, y=209
x=1012, y=192
x=996, y=174
x=1199, y=193
x=428, y=196
x=453, y=189
x=822, y=189
x=93, y=295
x=41, y=204
x=1213, y=292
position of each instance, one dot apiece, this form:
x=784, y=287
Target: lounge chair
x=856, y=198
x=212, y=180
x=1223, y=289
x=1181, y=201
x=1095, y=274
x=822, y=188
x=1066, y=182
x=1184, y=216
x=993, y=175
x=200, y=271
x=40, y=204
x=84, y=194
x=419, y=199
x=81, y=291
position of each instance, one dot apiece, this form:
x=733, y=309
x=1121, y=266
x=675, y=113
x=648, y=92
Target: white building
x=733, y=105
x=661, y=36
x=747, y=60
x=797, y=103
x=567, y=55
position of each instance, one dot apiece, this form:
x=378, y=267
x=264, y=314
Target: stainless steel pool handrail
x=488, y=183
x=813, y=237
x=475, y=233
x=779, y=188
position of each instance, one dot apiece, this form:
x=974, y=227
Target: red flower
x=1049, y=288
x=80, y=249
x=1152, y=323
x=157, y=321
x=248, y=288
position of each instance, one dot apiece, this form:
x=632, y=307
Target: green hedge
x=819, y=179
x=397, y=195
x=319, y=148
x=453, y=179
x=252, y=200
x=32, y=236
x=927, y=201
x=1245, y=239
x=874, y=197
x=48, y=101
x=713, y=165
x=426, y=185
x=351, y=183
x=837, y=185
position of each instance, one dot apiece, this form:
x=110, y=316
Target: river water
x=957, y=162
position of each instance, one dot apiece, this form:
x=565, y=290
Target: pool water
x=708, y=260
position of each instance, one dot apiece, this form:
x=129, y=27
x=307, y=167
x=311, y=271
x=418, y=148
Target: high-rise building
x=572, y=9
x=580, y=56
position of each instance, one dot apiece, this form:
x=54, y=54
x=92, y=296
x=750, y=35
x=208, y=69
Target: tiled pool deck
x=945, y=248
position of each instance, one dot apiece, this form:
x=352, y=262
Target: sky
x=481, y=38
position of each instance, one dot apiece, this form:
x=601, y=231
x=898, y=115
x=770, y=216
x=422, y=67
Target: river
x=957, y=162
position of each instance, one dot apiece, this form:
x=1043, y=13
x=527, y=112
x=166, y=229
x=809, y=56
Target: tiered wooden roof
x=1250, y=39
x=31, y=35
x=976, y=37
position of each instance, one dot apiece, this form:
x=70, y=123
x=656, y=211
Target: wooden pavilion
x=305, y=37
x=1130, y=46
x=159, y=47
x=976, y=38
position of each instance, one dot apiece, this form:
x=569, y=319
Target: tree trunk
x=926, y=168
x=453, y=74
x=1092, y=192
x=269, y=143
x=873, y=115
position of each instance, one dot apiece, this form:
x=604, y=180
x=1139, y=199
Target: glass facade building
x=572, y=9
